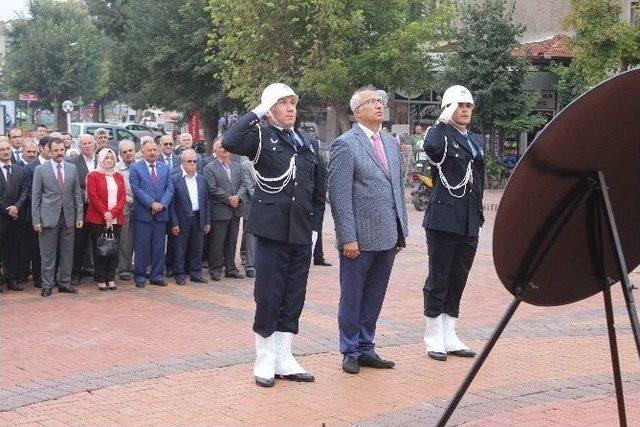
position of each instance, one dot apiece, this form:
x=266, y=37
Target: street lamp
x=67, y=107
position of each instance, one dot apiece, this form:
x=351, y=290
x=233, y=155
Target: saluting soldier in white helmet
x=288, y=200
x=452, y=219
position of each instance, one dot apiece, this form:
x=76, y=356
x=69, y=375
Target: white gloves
x=447, y=113
x=263, y=108
x=314, y=239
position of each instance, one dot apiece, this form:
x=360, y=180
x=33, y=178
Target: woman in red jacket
x=107, y=196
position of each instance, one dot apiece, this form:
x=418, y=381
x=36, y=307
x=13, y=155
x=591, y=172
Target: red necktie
x=154, y=177
x=59, y=177
x=379, y=149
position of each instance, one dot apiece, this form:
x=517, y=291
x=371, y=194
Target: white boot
x=452, y=343
x=286, y=364
x=265, y=364
x=434, y=337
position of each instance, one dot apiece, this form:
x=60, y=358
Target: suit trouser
x=148, y=245
x=450, y=259
x=57, y=241
x=104, y=268
x=282, y=270
x=26, y=251
x=318, y=253
x=36, y=265
x=363, y=285
x=224, y=239
x=189, y=241
x=125, y=250
x=81, y=247
x=250, y=247
x=170, y=258
x=11, y=240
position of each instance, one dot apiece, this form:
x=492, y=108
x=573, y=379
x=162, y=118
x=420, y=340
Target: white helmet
x=456, y=94
x=272, y=93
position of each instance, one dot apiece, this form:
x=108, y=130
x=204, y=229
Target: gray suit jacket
x=221, y=188
x=367, y=205
x=249, y=187
x=47, y=201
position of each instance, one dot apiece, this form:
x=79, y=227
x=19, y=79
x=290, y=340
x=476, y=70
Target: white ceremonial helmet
x=456, y=94
x=272, y=93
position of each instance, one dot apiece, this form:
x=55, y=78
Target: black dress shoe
x=234, y=275
x=140, y=284
x=300, y=378
x=158, y=282
x=180, y=282
x=67, y=289
x=215, y=276
x=199, y=280
x=250, y=273
x=75, y=281
x=46, y=292
x=436, y=355
x=265, y=382
x=321, y=261
x=14, y=286
x=375, y=361
x=350, y=365
x=125, y=276
x=462, y=353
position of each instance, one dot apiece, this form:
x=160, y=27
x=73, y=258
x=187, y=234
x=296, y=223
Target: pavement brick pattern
x=182, y=355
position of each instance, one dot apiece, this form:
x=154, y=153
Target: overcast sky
x=8, y=8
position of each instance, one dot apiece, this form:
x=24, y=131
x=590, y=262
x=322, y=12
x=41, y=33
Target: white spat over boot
x=287, y=366
x=434, y=338
x=265, y=364
x=453, y=344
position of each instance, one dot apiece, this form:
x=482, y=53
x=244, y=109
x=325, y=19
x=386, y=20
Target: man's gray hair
x=188, y=151
x=356, y=99
x=125, y=143
x=101, y=131
x=85, y=136
x=146, y=139
x=29, y=143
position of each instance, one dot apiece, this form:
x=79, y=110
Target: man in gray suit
x=56, y=207
x=127, y=151
x=367, y=201
x=225, y=187
x=248, y=239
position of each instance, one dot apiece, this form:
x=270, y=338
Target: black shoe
x=350, y=365
x=67, y=289
x=180, y=282
x=375, y=361
x=250, y=273
x=234, y=275
x=462, y=353
x=265, y=382
x=140, y=284
x=215, y=276
x=125, y=276
x=46, y=292
x=14, y=286
x=300, y=378
x=199, y=280
x=321, y=261
x=158, y=282
x=436, y=355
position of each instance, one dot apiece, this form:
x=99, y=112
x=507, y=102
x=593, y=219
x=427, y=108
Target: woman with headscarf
x=107, y=196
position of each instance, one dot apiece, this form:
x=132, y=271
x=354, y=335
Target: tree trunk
x=343, y=117
x=61, y=116
x=209, y=121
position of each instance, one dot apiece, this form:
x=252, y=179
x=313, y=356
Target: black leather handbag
x=107, y=244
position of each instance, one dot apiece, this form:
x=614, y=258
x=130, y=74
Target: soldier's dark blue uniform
x=283, y=222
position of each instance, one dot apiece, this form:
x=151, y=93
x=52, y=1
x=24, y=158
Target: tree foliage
x=325, y=47
x=483, y=62
x=57, y=53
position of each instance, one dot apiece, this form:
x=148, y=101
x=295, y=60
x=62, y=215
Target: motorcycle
x=423, y=185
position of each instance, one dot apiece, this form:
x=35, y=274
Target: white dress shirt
x=192, y=187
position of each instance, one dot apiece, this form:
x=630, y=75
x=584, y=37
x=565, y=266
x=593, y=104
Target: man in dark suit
x=224, y=181
x=56, y=207
x=172, y=160
x=190, y=218
x=452, y=220
x=86, y=162
x=152, y=189
x=288, y=199
x=14, y=187
x=16, y=141
x=366, y=189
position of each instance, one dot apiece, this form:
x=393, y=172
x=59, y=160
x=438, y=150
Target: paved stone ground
x=182, y=356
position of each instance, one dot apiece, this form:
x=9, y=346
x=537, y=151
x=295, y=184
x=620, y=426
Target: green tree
x=326, y=47
x=57, y=53
x=484, y=63
x=161, y=57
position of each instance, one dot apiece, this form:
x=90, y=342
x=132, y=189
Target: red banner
x=27, y=96
x=194, y=125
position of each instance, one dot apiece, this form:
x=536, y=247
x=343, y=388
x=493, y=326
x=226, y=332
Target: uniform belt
x=195, y=213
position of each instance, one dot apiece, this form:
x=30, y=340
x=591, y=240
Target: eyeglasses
x=168, y=144
x=190, y=161
x=372, y=101
x=130, y=150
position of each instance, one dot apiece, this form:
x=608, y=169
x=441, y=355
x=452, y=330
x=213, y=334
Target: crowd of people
x=72, y=210
x=166, y=210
